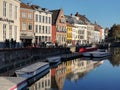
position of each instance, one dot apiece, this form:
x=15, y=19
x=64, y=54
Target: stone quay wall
x=12, y=59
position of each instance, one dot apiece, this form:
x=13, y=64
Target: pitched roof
x=97, y=27
x=70, y=25
x=83, y=18
x=73, y=20
x=55, y=14
x=23, y=5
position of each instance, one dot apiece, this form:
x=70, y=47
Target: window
x=48, y=82
x=23, y=26
x=81, y=37
x=10, y=10
x=43, y=19
x=39, y=28
x=36, y=18
x=45, y=83
x=46, y=19
x=35, y=86
x=49, y=30
x=49, y=20
x=30, y=26
x=46, y=30
x=15, y=32
x=42, y=84
x=39, y=85
x=29, y=16
x=62, y=20
x=4, y=8
x=24, y=15
x=10, y=31
x=39, y=18
x=42, y=29
x=4, y=31
x=36, y=28
x=16, y=12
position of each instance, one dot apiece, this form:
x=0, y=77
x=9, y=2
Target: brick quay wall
x=12, y=59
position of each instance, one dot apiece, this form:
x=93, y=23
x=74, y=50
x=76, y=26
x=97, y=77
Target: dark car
x=42, y=44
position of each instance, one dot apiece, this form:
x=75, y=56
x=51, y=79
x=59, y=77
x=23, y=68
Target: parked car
x=49, y=44
x=42, y=44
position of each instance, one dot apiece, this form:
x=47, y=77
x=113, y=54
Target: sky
x=104, y=12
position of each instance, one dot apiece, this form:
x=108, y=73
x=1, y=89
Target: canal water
x=83, y=74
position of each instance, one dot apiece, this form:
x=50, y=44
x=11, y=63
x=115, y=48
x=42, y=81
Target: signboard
x=6, y=20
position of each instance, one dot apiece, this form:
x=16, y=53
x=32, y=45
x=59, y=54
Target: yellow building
x=69, y=33
x=68, y=67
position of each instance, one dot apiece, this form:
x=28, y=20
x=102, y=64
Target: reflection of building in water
x=81, y=65
x=91, y=64
x=98, y=63
x=81, y=68
x=74, y=64
x=58, y=76
x=68, y=66
x=115, y=59
x=43, y=83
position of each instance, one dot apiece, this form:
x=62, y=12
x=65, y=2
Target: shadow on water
x=115, y=56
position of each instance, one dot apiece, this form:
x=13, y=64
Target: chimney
x=29, y=4
x=95, y=23
x=71, y=14
x=76, y=14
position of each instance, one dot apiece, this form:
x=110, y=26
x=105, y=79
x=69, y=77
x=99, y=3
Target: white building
x=103, y=33
x=42, y=24
x=74, y=34
x=90, y=33
x=96, y=36
x=82, y=33
x=80, y=29
x=9, y=21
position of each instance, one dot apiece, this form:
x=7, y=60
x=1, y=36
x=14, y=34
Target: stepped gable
x=55, y=14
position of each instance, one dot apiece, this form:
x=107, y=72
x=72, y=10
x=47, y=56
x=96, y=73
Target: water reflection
x=115, y=56
x=43, y=83
x=58, y=76
x=72, y=70
x=81, y=67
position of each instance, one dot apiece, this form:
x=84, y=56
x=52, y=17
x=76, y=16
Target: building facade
x=74, y=35
x=90, y=33
x=26, y=24
x=90, y=28
x=82, y=33
x=101, y=31
x=59, y=26
x=96, y=36
x=69, y=33
x=42, y=25
x=9, y=21
x=79, y=32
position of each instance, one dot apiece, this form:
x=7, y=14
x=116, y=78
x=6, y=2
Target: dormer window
x=62, y=20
